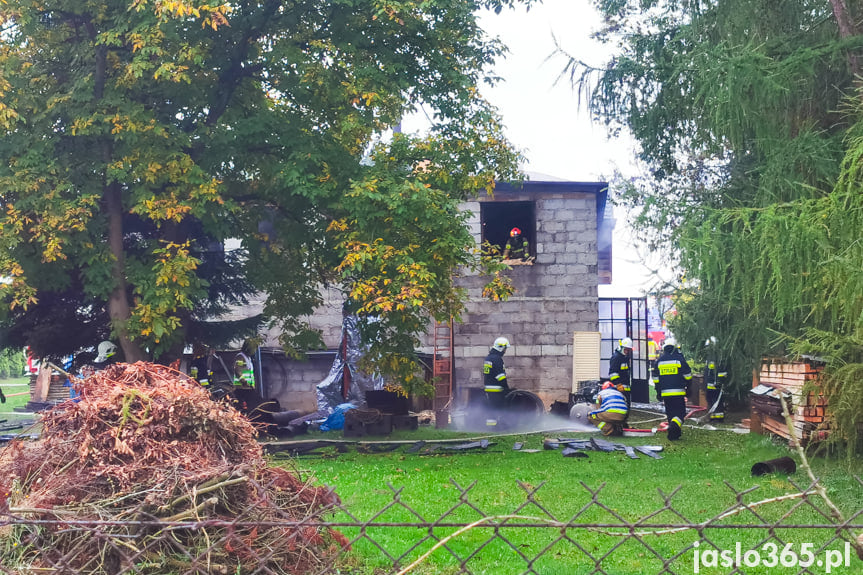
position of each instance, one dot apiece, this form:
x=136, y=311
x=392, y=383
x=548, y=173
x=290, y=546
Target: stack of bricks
x=800, y=379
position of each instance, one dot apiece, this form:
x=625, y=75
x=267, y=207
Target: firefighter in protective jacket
x=611, y=411
x=715, y=376
x=494, y=380
x=517, y=247
x=200, y=367
x=619, y=369
x=672, y=378
x=244, y=370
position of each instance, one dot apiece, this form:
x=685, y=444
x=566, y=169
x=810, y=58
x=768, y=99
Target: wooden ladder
x=442, y=365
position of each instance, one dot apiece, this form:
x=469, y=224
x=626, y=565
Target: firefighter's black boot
x=674, y=428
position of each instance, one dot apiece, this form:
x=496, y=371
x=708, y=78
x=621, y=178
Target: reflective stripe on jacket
x=618, y=370
x=612, y=401
x=494, y=372
x=715, y=374
x=672, y=374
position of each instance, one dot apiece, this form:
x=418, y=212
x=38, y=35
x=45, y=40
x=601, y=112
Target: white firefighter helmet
x=500, y=344
x=105, y=350
x=710, y=341
x=669, y=342
x=626, y=343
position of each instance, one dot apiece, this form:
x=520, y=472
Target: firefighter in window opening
x=715, y=376
x=244, y=369
x=201, y=367
x=494, y=380
x=611, y=411
x=517, y=247
x=672, y=378
x=619, y=369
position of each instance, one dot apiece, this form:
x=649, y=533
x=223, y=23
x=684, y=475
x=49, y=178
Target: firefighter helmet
x=626, y=343
x=106, y=349
x=669, y=342
x=607, y=385
x=514, y=232
x=500, y=344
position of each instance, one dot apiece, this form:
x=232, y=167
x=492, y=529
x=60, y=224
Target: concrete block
x=551, y=204
x=551, y=350
x=564, y=338
x=586, y=213
x=522, y=362
x=476, y=350
x=587, y=258
x=557, y=291
x=586, y=238
x=465, y=328
x=576, y=225
x=526, y=350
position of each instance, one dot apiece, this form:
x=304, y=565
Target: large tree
x=749, y=123
x=139, y=136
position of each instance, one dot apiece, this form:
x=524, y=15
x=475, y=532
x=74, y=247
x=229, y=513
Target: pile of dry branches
x=144, y=472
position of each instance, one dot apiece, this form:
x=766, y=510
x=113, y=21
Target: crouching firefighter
x=494, y=381
x=671, y=378
x=715, y=376
x=611, y=411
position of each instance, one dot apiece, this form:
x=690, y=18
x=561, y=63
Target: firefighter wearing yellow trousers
x=611, y=410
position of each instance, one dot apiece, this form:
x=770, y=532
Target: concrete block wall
x=294, y=383
x=554, y=297
x=327, y=318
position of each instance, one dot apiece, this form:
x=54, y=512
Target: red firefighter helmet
x=514, y=232
x=607, y=384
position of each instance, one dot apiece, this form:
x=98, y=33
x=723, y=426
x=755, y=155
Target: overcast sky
x=543, y=117
x=541, y=112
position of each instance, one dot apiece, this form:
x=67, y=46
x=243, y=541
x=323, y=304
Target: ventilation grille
x=585, y=357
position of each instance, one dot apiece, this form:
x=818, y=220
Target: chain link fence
x=791, y=533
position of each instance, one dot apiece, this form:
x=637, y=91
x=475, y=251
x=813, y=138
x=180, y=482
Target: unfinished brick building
x=556, y=296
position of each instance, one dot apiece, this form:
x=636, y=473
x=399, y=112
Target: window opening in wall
x=498, y=220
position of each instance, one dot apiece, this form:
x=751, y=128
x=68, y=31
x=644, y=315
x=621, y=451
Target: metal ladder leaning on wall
x=442, y=372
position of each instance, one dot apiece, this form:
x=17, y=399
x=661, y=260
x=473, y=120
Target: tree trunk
x=118, y=302
x=847, y=29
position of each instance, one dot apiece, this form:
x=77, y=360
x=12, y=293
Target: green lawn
x=18, y=385
x=461, y=487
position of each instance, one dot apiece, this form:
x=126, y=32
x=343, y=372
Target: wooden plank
x=773, y=426
x=755, y=422
x=43, y=384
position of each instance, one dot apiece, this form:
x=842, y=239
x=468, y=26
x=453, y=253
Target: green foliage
x=12, y=363
x=141, y=134
x=749, y=123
